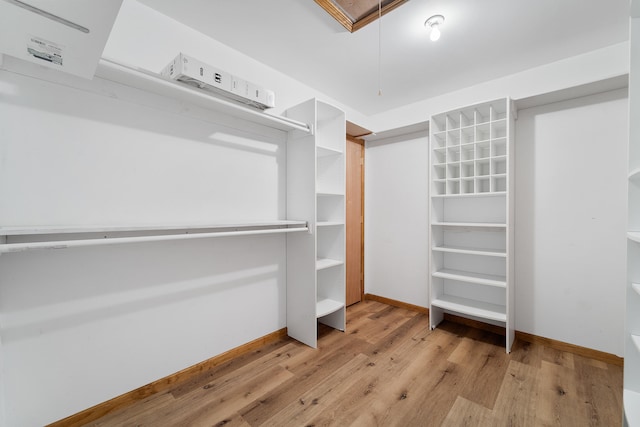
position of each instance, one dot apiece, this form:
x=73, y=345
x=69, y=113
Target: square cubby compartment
x=467, y=169
x=499, y=147
x=483, y=150
x=453, y=138
x=499, y=166
x=453, y=186
x=439, y=186
x=483, y=168
x=439, y=140
x=483, y=132
x=483, y=185
x=499, y=129
x=439, y=172
x=499, y=183
x=467, y=152
x=453, y=170
x=453, y=154
x=467, y=186
x=439, y=155
x=467, y=135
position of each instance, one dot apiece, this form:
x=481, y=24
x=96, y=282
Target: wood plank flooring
x=389, y=369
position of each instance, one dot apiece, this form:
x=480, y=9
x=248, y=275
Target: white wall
x=80, y=326
x=571, y=220
x=396, y=218
x=587, y=68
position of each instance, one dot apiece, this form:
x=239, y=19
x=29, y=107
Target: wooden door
x=355, y=220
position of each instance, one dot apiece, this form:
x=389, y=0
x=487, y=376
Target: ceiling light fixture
x=434, y=23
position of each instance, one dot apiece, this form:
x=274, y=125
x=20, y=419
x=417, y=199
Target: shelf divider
x=471, y=307
x=469, y=277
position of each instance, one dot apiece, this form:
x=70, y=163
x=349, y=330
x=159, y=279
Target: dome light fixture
x=434, y=23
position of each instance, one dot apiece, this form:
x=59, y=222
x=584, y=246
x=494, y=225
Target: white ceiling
x=481, y=40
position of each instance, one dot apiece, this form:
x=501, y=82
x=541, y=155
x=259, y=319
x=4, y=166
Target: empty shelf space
x=326, y=151
x=471, y=307
x=636, y=341
x=323, y=263
x=471, y=277
x=471, y=251
x=327, y=306
x=636, y=287
x=631, y=401
x=470, y=224
x=634, y=235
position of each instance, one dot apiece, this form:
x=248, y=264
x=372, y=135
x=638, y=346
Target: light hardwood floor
x=389, y=369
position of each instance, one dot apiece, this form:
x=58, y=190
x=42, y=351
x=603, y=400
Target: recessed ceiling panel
x=355, y=14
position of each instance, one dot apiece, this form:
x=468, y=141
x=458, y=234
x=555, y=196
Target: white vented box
x=194, y=72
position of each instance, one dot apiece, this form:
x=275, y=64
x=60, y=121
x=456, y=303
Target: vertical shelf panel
x=470, y=184
x=632, y=332
x=316, y=190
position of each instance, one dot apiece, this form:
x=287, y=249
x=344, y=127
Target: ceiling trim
x=338, y=14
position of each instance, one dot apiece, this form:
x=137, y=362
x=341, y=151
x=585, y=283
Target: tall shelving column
x=316, y=278
x=471, y=215
x=632, y=333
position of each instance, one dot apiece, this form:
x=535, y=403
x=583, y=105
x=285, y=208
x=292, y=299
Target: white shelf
x=485, y=194
x=636, y=287
x=323, y=263
x=151, y=82
x=78, y=234
x=329, y=194
x=631, y=401
x=471, y=307
x=326, y=151
x=329, y=223
x=634, y=236
x=327, y=306
x=471, y=277
x=636, y=341
x=471, y=251
x=470, y=224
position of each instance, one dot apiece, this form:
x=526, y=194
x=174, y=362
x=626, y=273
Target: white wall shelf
x=323, y=263
x=471, y=307
x=636, y=287
x=631, y=407
x=328, y=306
x=471, y=251
x=470, y=224
x=471, y=215
x=471, y=277
x=20, y=239
x=634, y=235
x=154, y=83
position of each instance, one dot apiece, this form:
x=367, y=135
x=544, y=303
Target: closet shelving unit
x=631, y=393
x=18, y=239
x=316, y=189
x=471, y=215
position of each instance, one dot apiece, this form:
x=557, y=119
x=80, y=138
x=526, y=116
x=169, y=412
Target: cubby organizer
x=471, y=215
x=469, y=150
